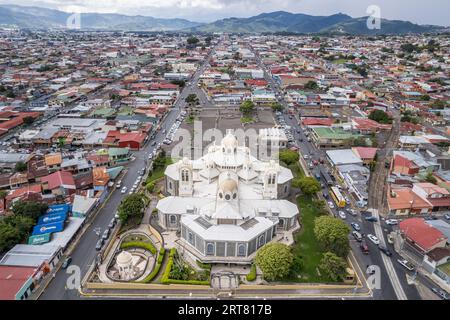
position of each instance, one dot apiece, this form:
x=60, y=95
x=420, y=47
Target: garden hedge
x=138, y=244
x=251, y=276
x=166, y=280
x=155, y=271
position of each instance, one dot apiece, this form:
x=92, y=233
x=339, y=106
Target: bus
x=337, y=197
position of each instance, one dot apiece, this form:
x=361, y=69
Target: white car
x=392, y=222
x=405, y=263
x=342, y=214
x=124, y=190
x=330, y=204
x=374, y=239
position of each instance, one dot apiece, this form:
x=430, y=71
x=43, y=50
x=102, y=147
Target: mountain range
x=274, y=22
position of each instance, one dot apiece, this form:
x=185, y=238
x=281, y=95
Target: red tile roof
x=12, y=279
x=423, y=234
x=366, y=152
x=317, y=121
x=59, y=178
x=368, y=124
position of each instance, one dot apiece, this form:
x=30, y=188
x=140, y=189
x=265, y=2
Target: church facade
x=227, y=204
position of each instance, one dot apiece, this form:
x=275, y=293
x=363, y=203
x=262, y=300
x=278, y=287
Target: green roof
x=118, y=151
x=333, y=133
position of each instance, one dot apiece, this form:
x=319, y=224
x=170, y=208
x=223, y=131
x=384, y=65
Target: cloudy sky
x=418, y=11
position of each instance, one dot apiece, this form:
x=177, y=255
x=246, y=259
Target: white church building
x=227, y=204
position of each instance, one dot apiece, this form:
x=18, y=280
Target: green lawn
x=340, y=61
x=306, y=245
x=247, y=120
x=158, y=173
x=445, y=268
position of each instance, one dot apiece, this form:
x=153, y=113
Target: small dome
x=124, y=258
x=228, y=185
x=229, y=141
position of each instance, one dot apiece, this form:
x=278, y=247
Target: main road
x=84, y=253
x=393, y=282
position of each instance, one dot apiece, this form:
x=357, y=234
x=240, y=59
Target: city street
x=84, y=254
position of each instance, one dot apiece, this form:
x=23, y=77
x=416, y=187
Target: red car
x=364, y=247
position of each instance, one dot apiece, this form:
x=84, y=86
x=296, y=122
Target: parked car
x=385, y=250
x=105, y=235
x=330, y=204
x=342, y=214
x=112, y=223
x=371, y=219
x=374, y=239
x=353, y=212
x=364, y=247
x=99, y=245
x=357, y=236
x=391, y=222
x=66, y=262
x=119, y=183
x=405, y=263
x=124, y=190
x=447, y=216
x=355, y=226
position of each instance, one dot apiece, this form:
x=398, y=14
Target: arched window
x=210, y=249
x=185, y=175
x=285, y=188
x=173, y=219
x=261, y=240
x=241, y=250
x=281, y=223
x=170, y=184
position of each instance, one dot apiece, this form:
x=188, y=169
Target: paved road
x=85, y=254
x=391, y=273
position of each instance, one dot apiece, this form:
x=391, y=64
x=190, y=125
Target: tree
x=31, y=209
x=311, y=85
x=380, y=116
x=150, y=187
x=289, y=156
x=309, y=185
x=180, y=83
x=332, y=235
x=274, y=260
x=247, y=107
x=20, y=166
x=430, y=178
x=28, y=120
x=131, y=206
x=333, y=266
x=13, y=230
x=438, y=104
x=192, y=98
x=192, y=40
x=276, y=107
x=3, y=194
x=425, y=97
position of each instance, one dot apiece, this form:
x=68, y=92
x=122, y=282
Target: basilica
x=227, y=204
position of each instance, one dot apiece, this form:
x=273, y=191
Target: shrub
x=251, y=276
x=165, y=279
x=155, y=271
x=202, y=265
x=137, y=244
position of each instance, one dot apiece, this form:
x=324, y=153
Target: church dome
x=229, y=142
x=124, y=258
x=228, y=185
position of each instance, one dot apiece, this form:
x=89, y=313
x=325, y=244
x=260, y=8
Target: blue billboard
x=58, y=208
x=48, y=228
x=52, y=218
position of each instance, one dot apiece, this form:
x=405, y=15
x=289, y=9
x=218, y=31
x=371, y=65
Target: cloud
x=418, y=11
